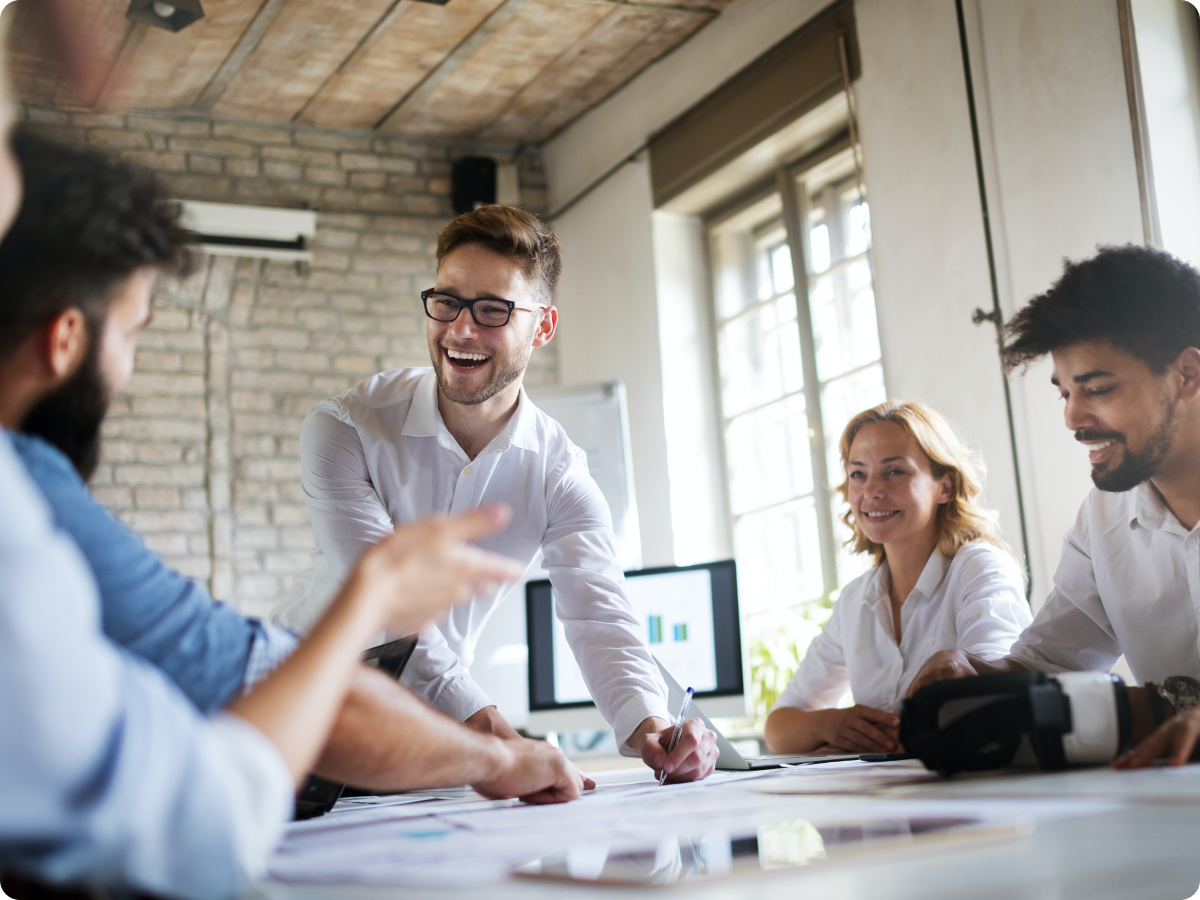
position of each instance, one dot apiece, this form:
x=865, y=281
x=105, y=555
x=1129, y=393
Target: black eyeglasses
x=490, y=312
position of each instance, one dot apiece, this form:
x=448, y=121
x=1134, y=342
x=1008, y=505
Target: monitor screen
x=689, y=620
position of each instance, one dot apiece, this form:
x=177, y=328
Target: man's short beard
x=500, y=379
x=70, y=418
x=1138, y=467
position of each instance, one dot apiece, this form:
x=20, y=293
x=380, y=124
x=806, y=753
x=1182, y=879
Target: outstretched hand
x=862, y=729
x=424, y=568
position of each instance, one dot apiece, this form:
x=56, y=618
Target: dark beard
x=70, y=418
x=1137, y=467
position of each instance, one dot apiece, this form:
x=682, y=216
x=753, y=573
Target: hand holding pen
x=687, y=704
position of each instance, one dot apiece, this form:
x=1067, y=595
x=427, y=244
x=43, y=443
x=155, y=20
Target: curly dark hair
x=87, y=222
x=1144, y=301
x=513, y=233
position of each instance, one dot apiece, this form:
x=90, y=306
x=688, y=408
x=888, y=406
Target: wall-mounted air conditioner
x=262, y=231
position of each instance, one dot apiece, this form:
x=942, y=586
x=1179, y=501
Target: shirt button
x=468, y=470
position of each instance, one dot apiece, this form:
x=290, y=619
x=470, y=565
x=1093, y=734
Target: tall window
x=798, y=350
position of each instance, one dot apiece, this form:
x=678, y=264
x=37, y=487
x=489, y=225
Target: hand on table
x=1175, y=739
x=942, y=666
x=535, y=772
x=862, y=729
x=694, y=757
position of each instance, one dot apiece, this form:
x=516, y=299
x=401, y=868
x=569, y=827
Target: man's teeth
x=1099, y=445
x=458, y=354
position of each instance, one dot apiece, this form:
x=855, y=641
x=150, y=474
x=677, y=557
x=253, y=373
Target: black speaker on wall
x=473, y=180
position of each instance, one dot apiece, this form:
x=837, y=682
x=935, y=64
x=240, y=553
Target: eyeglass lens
x=445, y=308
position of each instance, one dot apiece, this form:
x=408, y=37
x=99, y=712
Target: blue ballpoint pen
x=687, y=702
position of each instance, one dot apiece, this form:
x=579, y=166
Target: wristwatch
x=1181, y=691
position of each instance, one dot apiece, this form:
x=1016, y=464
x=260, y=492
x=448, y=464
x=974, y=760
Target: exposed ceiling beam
x=434, y=78
x=112, y=81
x=358, y=53
x=247, y=44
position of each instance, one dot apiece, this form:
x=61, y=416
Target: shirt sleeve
x=1071, y=632
x=271, y=646
x=146, y=607
x=823, y=676
x=110, y=776
x=347, y=518
x=991, y=610
x=590, y=600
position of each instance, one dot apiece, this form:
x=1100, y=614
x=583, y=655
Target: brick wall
x=201, y=453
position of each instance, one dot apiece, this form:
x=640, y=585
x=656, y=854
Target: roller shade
x=795, y=76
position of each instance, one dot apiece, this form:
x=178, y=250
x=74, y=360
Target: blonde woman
x=942, y=579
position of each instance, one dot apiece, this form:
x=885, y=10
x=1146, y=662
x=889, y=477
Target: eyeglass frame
x=470, y=304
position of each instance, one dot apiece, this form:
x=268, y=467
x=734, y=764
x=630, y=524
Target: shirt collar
x=425, y=420
x=1146, y=508
x=931, y=577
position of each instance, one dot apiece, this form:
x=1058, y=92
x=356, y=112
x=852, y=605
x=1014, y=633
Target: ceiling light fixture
x=174, y=15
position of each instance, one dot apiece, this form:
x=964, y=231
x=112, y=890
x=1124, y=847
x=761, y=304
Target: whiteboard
x=597, y=421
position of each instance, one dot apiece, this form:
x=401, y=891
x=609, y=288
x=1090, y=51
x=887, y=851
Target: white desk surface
x=1150, y=850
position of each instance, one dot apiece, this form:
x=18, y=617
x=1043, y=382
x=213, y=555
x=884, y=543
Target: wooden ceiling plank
x=33, y=74
x=612, y=53
x=483, y=84
x=364, y=90
x=106, y=26
x=308, y=41
x=680, y=27
x=121, y=65
x=247, y=44
x=169, y=70
x=410, y=102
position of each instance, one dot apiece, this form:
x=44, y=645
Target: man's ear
x=1187, y=364
x=64, y=343
x=546, y=327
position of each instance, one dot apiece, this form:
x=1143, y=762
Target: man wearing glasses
x=414, y=442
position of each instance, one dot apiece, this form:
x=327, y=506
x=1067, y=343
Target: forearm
x=386, y=739
x=791, y=730
x=489, y=721
x=296, y=704
x=995, y=666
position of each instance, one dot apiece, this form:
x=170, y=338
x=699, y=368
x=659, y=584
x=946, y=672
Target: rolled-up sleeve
x=1071, y=632
x=604, y=634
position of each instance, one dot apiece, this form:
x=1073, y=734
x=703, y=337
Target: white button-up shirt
x=974, y=602
x=380, y=455
x=1128, y=582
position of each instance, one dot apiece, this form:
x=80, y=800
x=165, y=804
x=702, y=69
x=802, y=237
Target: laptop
x=730, y=759
x=318, y=795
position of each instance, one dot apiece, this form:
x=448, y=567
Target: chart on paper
x=674, y=612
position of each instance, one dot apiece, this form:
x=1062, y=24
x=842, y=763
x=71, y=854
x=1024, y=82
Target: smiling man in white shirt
x=414, y=442
x=1123, y=329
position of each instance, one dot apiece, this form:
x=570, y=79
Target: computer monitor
x=689, y=617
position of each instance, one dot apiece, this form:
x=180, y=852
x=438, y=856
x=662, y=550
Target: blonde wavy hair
x=960, y=520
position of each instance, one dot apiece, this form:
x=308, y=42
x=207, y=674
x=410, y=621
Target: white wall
x=609, y=330
x=1167, y=53
x=1058, y=151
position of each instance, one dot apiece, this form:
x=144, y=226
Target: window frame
x=786, y=180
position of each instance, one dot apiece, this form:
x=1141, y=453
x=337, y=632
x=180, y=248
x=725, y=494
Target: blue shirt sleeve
x=146, y=607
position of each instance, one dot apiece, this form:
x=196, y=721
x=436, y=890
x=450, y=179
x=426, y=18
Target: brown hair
x=960, y=520
x=513, y=233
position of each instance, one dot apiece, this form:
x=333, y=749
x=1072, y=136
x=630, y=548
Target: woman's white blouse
x=975, y=602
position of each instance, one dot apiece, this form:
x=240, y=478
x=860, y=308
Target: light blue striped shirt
x=108, y=774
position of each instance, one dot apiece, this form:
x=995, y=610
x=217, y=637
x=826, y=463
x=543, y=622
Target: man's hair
x=1143, y=301
x=87, y=222
x=512, y=233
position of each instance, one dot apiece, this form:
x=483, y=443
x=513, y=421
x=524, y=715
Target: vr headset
x=1017, y=718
